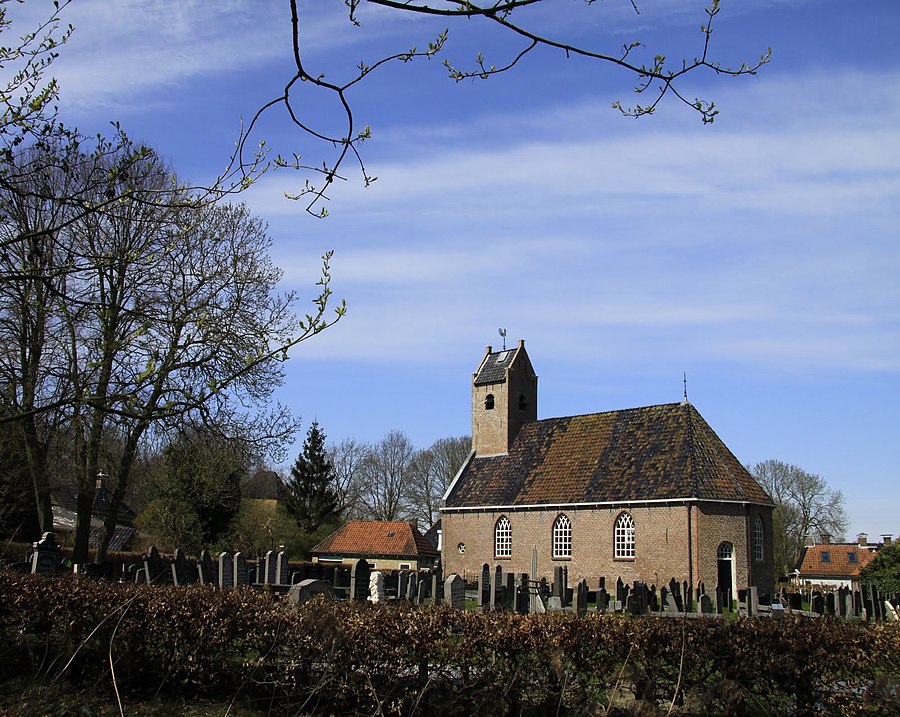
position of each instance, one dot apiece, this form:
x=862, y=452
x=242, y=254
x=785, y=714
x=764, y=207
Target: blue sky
x=758, y=255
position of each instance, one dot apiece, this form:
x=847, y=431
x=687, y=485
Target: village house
x=385, y=545
x=834, y=565
x=646, y=493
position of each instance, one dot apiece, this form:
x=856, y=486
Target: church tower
x=504, y=396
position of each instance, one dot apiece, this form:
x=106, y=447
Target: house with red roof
x=834, y=565
x=385, y=545
x=647, y=493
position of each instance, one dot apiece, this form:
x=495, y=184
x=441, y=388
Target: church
x=646, y=493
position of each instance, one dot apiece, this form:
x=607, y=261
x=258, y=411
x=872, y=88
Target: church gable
x=643, y=454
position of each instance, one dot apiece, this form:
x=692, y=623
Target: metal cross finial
x=502, y=333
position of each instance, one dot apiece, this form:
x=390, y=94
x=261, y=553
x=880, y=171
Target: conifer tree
x=313, y=499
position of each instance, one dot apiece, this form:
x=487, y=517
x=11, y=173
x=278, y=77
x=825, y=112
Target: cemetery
x=314, y=638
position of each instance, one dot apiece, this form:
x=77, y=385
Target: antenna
x=502, y=333
x=685, y=387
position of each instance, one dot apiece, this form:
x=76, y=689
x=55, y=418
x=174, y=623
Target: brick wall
x=663, y=547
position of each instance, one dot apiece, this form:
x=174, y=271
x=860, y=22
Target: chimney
x=887, y=538
x=808, y=542
x=825, y=538
x=862, y=539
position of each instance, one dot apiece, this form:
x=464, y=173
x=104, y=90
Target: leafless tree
x=433, y=470
x=655, y=77
x=347, y=458
x=805, y=506
x=387, y=471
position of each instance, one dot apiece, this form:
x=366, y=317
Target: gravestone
x=795, y=601
x=156, y=567
x=522, y=593
x=602, y=600
x=581, y=599
x=392, y=584
x=621, y=592
x=752, y=601
x=183, y=571
x=206, y=569
x=704, y=604
x=45, y=558
x=141, y=577
x=455, y=592
x=422, y=592
x=877, y=604
x=437, y=586
x=306, y=590
x=556, y=589
x=830, y=604
x=817, y=604
x=890, y=612
x=846, y=605
x=509, y=593
x=359, y=580
x=497, y=588
x=240, y=572
x=270, y=567
x=226, y=570
x=376, y=587
x=484, y=588
x=282, y=569
x=412, y=587
x=402, y=582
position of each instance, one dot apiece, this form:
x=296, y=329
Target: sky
x=757, y=256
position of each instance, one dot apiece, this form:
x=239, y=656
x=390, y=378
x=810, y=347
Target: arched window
x=725, y=551
x=624, y=537
x=502, y=538
x=489, y=402
x=759, y=535
x=562, y=537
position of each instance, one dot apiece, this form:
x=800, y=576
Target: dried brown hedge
x=340, y=658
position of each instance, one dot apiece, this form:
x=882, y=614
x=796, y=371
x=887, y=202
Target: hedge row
x=341, y=658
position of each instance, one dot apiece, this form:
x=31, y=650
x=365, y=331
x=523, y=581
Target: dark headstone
x=752, y=600
x=282, y=569
x=157, y=567
x=359, y=581
x=581, y=599
x=484, y=588
x=621, y=592
x=270, y=566
x=509, y=592
x=602, y=600
x=830, y=604
x=241, y=574
x=523, y=593
x=412, y=587
x=184, y=572
x=422, y=592
x=45, y=558
x=817, y=605
x=206, y=569
x=558, y=585
x=795, y=601
x=402, y=582
x=497, y=588
x=705, y=605
x=226, y=571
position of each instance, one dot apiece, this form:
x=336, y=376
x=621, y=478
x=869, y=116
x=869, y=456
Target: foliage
x=199, y=494
x=313, y=500
x=884, y=570
x=805, y=506
x=345, y=658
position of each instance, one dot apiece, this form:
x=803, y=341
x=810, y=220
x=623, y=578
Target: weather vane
x=502, y=333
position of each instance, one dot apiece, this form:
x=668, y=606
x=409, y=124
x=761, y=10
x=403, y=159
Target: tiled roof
x=376, y=538
x=832, y=560
x=652, y=453
x=493, y=367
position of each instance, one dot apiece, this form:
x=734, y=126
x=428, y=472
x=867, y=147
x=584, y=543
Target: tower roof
x=493, y=367
x=651, y=453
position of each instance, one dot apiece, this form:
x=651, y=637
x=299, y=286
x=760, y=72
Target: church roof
x=376, y=538
x=664, y=452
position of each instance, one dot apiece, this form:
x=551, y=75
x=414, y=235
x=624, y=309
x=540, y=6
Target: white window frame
x=502, y=538
x=759, y=534
x=623, y=537
x=562, y=537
